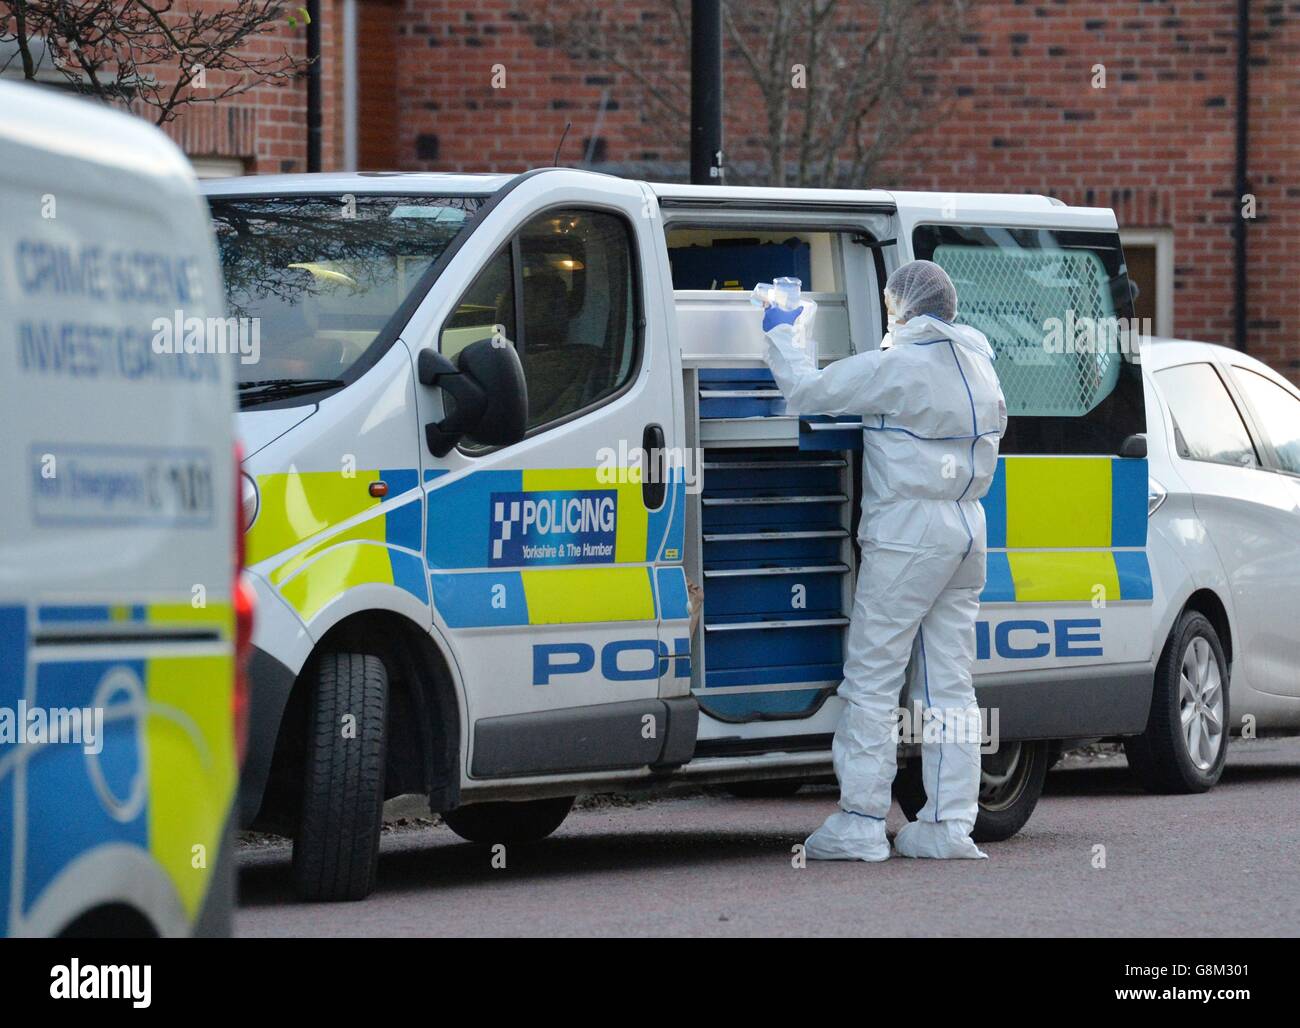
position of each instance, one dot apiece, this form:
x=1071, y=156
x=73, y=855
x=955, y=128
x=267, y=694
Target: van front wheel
x=505, y=822
x=336, y=848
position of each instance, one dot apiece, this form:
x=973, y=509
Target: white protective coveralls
x=933, y=413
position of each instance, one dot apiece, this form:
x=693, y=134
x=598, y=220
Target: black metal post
x=314, y=102
x=706, y=92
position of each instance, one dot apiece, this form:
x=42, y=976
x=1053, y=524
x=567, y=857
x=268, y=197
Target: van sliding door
x=770, y=535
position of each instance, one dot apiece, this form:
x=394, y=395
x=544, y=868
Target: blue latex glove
x=773, y=316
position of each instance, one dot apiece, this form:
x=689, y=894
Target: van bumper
x=270, y=683
x=1112, y=699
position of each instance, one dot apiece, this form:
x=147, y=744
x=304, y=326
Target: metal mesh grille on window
x=1028, y=302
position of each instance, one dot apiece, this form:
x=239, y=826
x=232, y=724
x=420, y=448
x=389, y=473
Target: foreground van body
x=484, y=599
x=117, y=535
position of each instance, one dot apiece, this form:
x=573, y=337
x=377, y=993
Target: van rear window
x=1057, y=308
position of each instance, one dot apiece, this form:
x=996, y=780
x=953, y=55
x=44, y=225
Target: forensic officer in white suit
x=933, y=414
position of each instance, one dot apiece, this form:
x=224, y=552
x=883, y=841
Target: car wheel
x=508, y=823
x=336, y=846
x=1185, y=743
x=775, y=789
x=1011, y=781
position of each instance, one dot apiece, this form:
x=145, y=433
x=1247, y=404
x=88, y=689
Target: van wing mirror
x=1134, y=446
x=484, y=395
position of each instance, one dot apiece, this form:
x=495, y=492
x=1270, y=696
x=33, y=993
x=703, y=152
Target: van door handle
x=654, y=485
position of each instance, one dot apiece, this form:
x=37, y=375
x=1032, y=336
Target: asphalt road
x=1222, y=863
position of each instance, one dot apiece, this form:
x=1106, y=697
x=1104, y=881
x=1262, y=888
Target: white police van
x=498, y=423
x=119, y=609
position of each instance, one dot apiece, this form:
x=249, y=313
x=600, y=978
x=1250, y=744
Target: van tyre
x=1011, y=782
x=336, y=848
x=509, y=823
x=1185, y=744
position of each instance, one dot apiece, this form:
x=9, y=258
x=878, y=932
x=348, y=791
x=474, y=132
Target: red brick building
x=417, y=84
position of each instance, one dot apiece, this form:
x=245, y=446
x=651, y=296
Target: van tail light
x=244, y=603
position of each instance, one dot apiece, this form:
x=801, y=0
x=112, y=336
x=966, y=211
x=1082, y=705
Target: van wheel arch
x=423, y=727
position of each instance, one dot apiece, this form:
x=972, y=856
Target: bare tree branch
x=861, y=91
x=152, y=55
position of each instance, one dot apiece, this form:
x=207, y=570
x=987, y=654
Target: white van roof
x=333, y=183
x=970, y=202
x=43, y=118
x=1015, y=208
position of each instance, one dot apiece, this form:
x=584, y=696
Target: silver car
x=1223, y=441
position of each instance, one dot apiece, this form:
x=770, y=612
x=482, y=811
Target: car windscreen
x=1057, y=308
x=317, y=278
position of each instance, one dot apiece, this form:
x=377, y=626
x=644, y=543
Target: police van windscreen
x=1057, y=307
x=314, y=280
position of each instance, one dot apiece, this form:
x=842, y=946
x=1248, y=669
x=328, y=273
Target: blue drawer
x=773, y=594
x=822, y=549
x=773, y=647
x=820, y=514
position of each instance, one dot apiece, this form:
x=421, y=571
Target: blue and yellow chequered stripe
x=381, y=549
x=297, y=507
x=459, y=529
x=560, y=596
x=217, y=614
x=1060, y=528
x=624, y=590
x=186, y=754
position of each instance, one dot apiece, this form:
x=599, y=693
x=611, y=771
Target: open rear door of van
x=1064, y=643
x=770, y=524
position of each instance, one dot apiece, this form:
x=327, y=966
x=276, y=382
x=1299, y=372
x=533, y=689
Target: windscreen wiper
x=268, y=389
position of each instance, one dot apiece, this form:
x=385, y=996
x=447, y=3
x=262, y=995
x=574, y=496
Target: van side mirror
x=1134, y=446
x=484, y=395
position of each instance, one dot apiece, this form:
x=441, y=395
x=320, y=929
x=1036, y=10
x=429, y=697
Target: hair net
x=921, y=287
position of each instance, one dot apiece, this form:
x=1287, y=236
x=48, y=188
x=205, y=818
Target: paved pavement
x=1223, y=863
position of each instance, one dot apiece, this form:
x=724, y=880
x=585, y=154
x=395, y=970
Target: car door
x=552, y=559
x=1250, y=512
x=1274, y=412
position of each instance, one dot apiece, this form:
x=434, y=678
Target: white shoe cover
x=846, y=836
x=942, y=840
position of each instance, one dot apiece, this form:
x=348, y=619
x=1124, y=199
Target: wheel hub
x=1200, y=701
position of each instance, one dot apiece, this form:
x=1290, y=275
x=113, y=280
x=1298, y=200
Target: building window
x=1149, y=254
x=217, y=167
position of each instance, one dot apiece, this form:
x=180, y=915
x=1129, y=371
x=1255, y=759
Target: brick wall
x=1157, y=143
x=266, y=127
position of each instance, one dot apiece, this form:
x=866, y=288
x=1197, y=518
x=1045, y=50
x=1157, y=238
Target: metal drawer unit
x=777, y=558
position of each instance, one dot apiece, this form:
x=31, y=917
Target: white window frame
x=1162, y=239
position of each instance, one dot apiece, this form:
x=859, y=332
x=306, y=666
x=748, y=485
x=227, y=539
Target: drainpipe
x=350, y=85
x=1243, y=183
x=313, y=86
